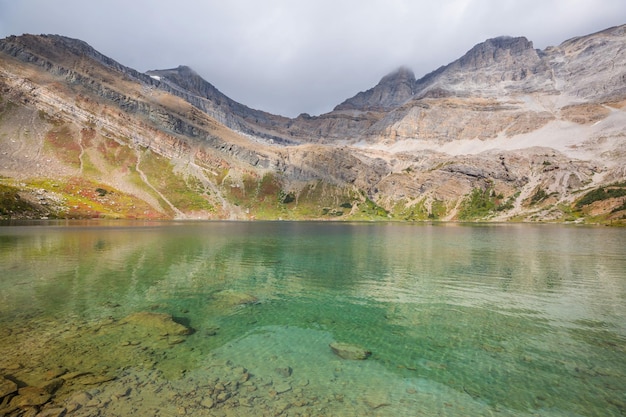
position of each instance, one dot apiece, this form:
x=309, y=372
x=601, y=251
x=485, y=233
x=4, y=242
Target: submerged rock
x=348, y=351
x=53, y=385
x=376, y=401
x=207, y=402
x=284, y=371
x=160, y=323
x=7, y=387
x=282, y=387
x=233, y=298
x=55, y=372
x=30, y=396
x=53, y=412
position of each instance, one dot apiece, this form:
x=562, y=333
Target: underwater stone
x=53, y=412
x=55, y=372
x=53, y=385
x=30, y=396
x=207, y=403
x=348, y=351
x=284, y=371
x=282, y=387
x=234, y=298
x=222, y=396
x=7, y=387
x=162, y=323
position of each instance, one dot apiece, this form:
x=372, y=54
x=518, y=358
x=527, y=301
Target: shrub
x=539, y=196
x=478, y=204
x=599, y=194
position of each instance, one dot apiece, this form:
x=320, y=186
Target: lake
x=236, y=318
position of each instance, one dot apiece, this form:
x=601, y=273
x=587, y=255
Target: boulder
x=53, y=385
x=160, y=323
x=30, y=396
x=231, y=298
x=284, y=371
x=348, y=351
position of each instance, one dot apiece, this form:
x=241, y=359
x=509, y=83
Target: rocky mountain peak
x=393, y=90
x=494, y=67
x=500, y=50
x=54, y=48
x=399, y=76
x=47, y=45
x=61, y=54
x=185, y=77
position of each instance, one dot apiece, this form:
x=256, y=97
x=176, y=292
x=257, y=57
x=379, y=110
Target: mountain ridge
x=504, y=132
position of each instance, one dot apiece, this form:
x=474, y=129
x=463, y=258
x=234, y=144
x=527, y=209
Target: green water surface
x=460, y=319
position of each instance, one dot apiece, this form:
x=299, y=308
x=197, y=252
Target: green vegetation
x=181, y=191
x=419, y=211
x=286, y=197
x=478, y=204
x=82, y=198
x=89, y=168
x=264, y=198
x=437, y=209
x=371, y=209
x=604, y=193
x=11, y=203
x=610, y=213
x=509, y=203
x=481, y=203
x=619, y=208
x=539, y=196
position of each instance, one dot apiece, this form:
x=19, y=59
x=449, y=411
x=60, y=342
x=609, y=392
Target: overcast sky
x=293, y=56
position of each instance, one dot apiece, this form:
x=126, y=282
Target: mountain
x=393, y=90
x=505, y=132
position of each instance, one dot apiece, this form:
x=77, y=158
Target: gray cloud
x=292, y=56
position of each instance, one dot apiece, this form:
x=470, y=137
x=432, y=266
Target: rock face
x=507, y=120
x=504, y=61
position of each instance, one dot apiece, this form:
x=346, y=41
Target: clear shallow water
x=461, y=319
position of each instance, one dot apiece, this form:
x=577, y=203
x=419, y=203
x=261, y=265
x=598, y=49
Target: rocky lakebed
x=141, y=365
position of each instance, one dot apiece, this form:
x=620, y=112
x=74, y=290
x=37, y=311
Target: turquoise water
x=460, y=319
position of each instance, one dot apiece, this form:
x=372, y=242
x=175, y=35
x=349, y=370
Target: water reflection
x=501, y=314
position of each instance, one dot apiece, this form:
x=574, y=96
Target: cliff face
x=506, y=131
